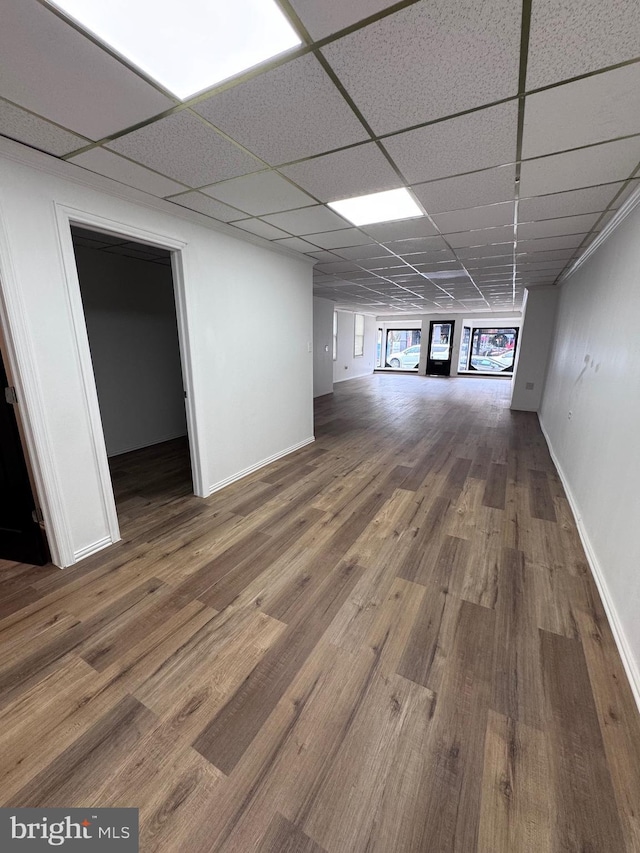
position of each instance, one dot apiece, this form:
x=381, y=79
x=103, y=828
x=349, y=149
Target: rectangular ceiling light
x=189, y=46
x=378, y=207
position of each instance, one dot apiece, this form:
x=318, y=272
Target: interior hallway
x=388, y=641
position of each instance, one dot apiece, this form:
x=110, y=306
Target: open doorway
x=127, y=293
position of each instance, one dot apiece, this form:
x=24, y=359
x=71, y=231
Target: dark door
x=440, y=342
x=21, y=538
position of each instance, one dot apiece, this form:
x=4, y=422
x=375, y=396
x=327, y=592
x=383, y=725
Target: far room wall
x=347, y=365
x=131, y=322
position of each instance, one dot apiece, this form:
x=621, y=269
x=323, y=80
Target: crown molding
x=621, y=214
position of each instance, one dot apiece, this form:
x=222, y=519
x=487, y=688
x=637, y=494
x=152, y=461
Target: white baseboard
x=227, y=482
x=88, y=550
x=626, y=655
x=357, y=376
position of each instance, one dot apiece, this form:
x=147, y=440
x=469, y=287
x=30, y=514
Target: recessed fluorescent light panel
x=190, y=45
x=378, y=207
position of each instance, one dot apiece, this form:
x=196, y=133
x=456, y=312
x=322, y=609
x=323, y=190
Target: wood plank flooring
x=388, y=641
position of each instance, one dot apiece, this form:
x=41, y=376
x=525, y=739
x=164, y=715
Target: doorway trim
x=66, y=217
x=21, y=371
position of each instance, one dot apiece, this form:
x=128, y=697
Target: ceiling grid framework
x=517, y=149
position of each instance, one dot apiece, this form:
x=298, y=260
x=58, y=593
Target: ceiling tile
x=578, y=36
x=405, y=229
x=354, y=253
x=594, y=109
x=464, y=144
x=430, y=60
x=548, y=244
x=103, y=237
x=337, y=268
x=433, y=258
x=290, y=112
x=262, y=229
x=296, y=244
x=489, y=250
x=132, y=174
x=497, y=278
x=557, y=227
x=419, y=245
x=383, y=263
x=553, y=255
x=479, y=188
x=340, y=239
x=487, y=216
x=398, y=274
x=572, y=202
x=50, y=68
x=501, y=275
x=307, y=220
x=330, y=16
x=611, y=161
x=485, y=263
x=431, y=266
x=480, y=238
x=343, y=174
x=206, y=205
x=261, y=192
x=319, y=255
x=88, y=242
x=529, y=266
x=130, y=252
x=185, y=148
x=24, y=127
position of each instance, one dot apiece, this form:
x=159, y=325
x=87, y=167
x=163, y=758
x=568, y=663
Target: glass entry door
x=440, y=343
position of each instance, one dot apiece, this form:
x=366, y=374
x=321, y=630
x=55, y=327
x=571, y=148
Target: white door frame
x=20, y=364
x=66, y=217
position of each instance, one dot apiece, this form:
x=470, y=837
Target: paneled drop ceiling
x=516, y=127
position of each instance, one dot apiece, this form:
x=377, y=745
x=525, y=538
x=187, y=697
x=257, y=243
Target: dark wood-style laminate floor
x=388, y=641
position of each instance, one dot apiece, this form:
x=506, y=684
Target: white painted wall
x=591, y=416
x=131, y=322
x=534, y=346
x=348, y=366
x=249, y=313
x=322, y=347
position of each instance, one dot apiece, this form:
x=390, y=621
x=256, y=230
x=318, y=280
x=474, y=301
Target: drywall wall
x=133, y=335
x=251, y=400
x=348, y=366
x=322, y=347
x=534, y=346
x=591, y=413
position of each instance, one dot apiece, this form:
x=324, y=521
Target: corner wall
x=534, y=347
x=322, y=347
x=591, y=416
x=249, y=313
